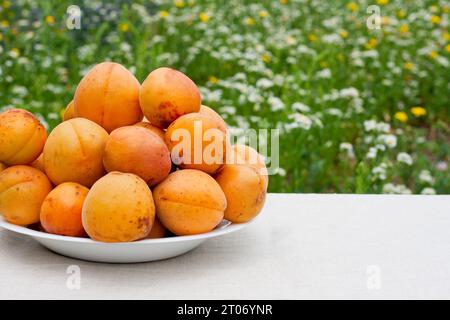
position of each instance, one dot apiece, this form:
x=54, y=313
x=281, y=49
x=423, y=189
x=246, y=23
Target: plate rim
x=228, y=228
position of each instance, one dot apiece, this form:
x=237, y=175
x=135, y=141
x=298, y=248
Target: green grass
x=309, y=52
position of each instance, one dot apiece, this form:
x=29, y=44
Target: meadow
x=360, y=109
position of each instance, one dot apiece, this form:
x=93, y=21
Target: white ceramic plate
x=129, y=252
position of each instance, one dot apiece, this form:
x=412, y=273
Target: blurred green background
x=360, y=109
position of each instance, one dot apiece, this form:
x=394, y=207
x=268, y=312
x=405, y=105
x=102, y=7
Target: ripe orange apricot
x=137, y=150
x=74, y=152
x=119, y=208
x=108, y=95
x=196, y=142
x=189, y=202
x=39, y=163
x=167, y=94
x=22, y=191
x=69, y=112
x=22, y=137
x=247, y=155
x=221, y=124
x=245, y=190
x=243, y=154
x=2, y=167
x=61, y=210
x=158, y=230
x=152, y=128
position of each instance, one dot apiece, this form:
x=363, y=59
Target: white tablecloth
x=301, y=247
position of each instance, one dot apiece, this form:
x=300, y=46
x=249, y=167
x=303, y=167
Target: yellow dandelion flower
x=343, y=34
x=249, y=21
x=124, y=27
x=447, y=48
x=49, y=19
x=15, y=52
x=418, y=111
x=204, y=17
x=312, y=37
x=179, y=3
x=401, y=13
x=284, y=1
x=352, y=6
x=435, y=19
x=401, y=116
x=446, y=36
x=404, y=28
x=265, y=57
x=4, y=23
x=164, y=14
x=372, y=43
x=263, y=14
x=213, y=80
x=408, y=65
x=385, y=20
x=382, y=2
x=434, y=54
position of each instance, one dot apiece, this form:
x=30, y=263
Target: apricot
x=245, y=191
x=74, y=152
x=61, y=210
x=196, y=142
x=167, y=94
x=243, y=154
x=22, y=191
x=108, y=95
x=189, y=202
x=69, y=113
x=118, y=208
x=2, y=167
x=39, y=163
x=221, y=124
x=22, y=137
x=158, y=230
x=137, y=150
x=147, y=125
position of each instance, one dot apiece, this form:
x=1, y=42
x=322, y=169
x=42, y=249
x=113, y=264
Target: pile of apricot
x=111, y=174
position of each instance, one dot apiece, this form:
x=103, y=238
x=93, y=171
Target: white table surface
x=301, y=247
